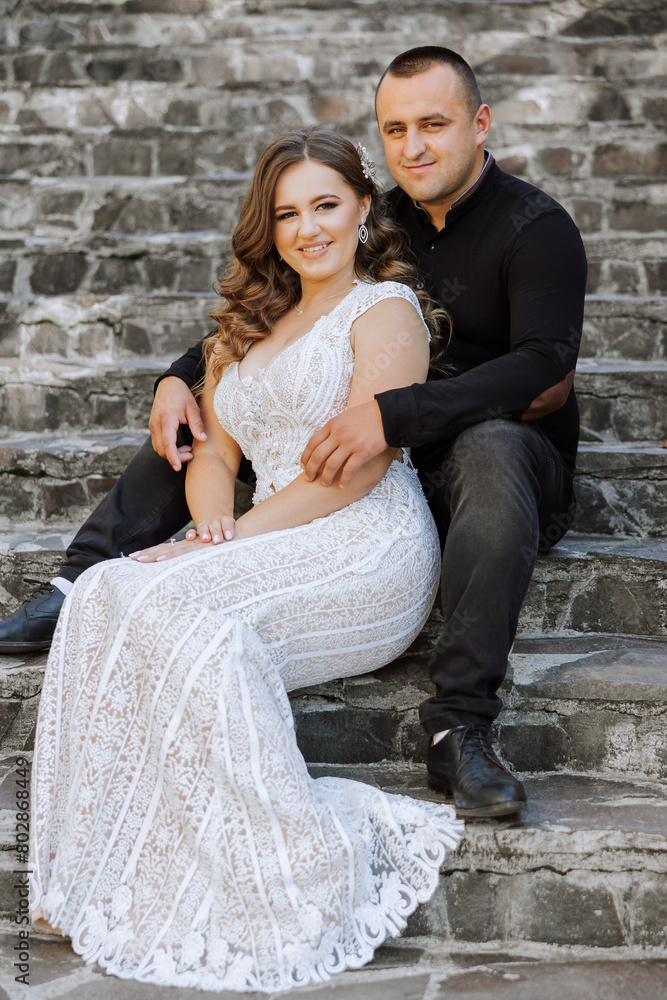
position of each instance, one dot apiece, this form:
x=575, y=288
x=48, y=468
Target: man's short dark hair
x=424, y=58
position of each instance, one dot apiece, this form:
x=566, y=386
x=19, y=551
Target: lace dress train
x=177, y=836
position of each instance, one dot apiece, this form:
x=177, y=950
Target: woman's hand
x=219, y=530
x=167, y=550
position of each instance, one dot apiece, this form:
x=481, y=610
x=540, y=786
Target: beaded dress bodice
x=272, y=416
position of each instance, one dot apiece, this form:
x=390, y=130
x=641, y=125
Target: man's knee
x=492, y=455
x=495, y=440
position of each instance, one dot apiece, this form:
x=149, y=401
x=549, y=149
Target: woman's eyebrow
x=320, y=197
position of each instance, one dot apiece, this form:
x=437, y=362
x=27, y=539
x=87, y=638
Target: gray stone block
x=625, y=329
x=570, y=909
x=615, y=160
x=43, y=159
x=621, y=490
x=106, y=328
x=7, y=275
x=115, y=275
x=58, y=274
x=657, y=277
x=58, y=398
x=620, y=402
x=354, y=736
x=596, y=585
x=122, y=157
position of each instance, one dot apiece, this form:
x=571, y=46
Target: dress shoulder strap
x=369, y=293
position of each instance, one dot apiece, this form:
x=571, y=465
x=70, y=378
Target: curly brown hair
x=258, y=288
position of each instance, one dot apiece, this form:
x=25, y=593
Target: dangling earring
x=363, y=233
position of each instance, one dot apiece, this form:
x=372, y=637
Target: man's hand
x=173, y=405
x=346, y=442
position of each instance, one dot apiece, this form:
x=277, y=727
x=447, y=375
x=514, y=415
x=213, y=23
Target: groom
x=495, y=442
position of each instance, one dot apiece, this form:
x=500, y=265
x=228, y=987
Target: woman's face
x=316, y=220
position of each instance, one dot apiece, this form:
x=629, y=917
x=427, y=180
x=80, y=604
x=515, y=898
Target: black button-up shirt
x=509, y=266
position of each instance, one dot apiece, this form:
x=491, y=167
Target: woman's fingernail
x=228, y=535
x=142, y=558
x=216, y=538
x=160, y=559
x=133, y=555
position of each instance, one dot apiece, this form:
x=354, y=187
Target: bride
x=177, y=836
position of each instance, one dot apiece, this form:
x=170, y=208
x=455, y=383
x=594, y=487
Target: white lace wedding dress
x=177, y=836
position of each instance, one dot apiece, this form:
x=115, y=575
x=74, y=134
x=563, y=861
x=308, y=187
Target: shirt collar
x=469, y=191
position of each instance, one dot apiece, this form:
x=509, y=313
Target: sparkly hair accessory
x=367, y=164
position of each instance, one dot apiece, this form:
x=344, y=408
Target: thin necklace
x=302, y=311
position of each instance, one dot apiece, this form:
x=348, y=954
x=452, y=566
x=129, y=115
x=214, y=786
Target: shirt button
x=432, y=246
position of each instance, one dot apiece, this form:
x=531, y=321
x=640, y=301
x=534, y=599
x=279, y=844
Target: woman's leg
x=177, y=835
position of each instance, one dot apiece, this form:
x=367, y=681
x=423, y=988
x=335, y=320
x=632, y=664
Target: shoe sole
x=480, y=812
x=7, y=648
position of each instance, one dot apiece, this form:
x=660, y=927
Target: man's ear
x=483, y=123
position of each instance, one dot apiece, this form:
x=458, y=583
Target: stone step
x=110, y=328
x=587, y=704
x=621, y=489
x=567, y=872
x=122, y=48
x=622, y=401
x=584, y=867
x=186, y=260
x=145, y=23
x=56, y=480
x=53, y=480
x=134, y=87
x=110, y=264
x=585, y=584
x=54, y=397
x=625, y=327
x=589, y=583
x=59, y=206
x=626, y=265
x=619, y=402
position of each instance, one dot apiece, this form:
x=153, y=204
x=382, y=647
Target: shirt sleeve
x=189, y=367
x=546, y=280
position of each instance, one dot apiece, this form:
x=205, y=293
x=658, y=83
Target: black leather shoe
x=464, y=764
x=31, y=628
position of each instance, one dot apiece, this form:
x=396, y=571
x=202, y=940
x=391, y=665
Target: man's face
x=432, y=143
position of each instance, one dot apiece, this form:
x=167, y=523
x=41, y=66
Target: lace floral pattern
x=177, y=836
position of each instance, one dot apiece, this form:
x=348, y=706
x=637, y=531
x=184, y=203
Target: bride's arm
x=391, y=351
x=211, y=474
